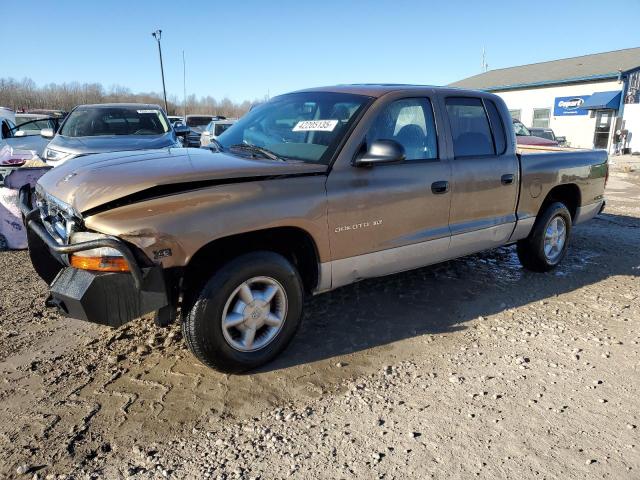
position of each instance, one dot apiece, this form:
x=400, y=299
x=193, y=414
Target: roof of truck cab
x=379, y=89
x=121, y=105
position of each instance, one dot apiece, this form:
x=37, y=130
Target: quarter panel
x=542, y=171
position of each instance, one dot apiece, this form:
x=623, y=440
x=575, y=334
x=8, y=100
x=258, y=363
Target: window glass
x=497, y=127
x=97, y=121
x=220, y=128
x=541, y=117
x=410, y=123
x=198, y=122
x=5, y=129
x=469, y=127
x=515, y=114
x=520, y=129
x=306, y=126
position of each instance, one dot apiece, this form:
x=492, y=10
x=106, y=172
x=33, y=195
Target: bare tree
x=26, y=95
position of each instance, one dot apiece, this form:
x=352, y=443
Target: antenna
x=184, y=85
x=484, y=66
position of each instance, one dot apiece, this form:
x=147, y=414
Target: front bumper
x=99, y=297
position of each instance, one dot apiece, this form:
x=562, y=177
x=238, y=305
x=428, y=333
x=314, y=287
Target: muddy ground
x=472, y=368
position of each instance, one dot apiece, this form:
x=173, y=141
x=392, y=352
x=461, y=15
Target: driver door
x=391, y=217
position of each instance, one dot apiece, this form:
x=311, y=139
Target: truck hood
x=110, y=143
x=92, y=181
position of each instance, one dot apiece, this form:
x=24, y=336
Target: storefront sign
x=633, y=89
x=564, y=106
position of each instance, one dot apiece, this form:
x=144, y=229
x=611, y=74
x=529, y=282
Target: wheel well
x=568, y=194
x=293, y=243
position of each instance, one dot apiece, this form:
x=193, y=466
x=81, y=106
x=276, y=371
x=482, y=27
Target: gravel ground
x=472, y=368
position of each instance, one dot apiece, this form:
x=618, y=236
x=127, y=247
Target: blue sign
x=564, y=106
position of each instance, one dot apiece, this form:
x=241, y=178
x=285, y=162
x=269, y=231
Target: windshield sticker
x=147, y=111
x=315, y=126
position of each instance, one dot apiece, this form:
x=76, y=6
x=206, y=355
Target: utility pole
x=184, y=84
x=158, y=35
x=484, y=66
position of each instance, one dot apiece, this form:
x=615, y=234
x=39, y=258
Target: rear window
x=497, y=127
x=198, y=121
x=220, y=127
x=469, y=127
x=92, y=122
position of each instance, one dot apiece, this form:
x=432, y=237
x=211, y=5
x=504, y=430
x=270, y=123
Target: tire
x=233, y=349
x=531, y=251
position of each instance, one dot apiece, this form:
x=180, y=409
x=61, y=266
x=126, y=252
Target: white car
x=214, y=129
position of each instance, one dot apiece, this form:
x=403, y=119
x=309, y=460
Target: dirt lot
x=473, y=368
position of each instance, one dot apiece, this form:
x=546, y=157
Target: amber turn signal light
x=99, y=264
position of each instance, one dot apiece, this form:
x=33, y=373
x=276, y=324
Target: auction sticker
x=315, y=126
x=147, y=111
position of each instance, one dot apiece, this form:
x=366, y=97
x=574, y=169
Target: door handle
x=440, y=187
x=507, y=179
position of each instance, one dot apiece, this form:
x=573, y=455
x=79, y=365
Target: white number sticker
x=147, y=111
x=315, y=126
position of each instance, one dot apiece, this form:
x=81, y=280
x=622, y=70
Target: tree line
x=26, y=95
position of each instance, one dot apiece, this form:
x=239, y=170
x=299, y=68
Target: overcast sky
x=244, y=49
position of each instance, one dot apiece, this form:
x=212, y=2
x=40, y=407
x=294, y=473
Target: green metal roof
x=598, y=66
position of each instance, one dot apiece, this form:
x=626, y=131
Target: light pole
x=158, y=35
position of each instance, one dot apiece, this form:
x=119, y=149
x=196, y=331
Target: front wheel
x=547, y=243
x=246, y=313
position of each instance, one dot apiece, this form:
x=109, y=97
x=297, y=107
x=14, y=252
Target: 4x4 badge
x=158, y=254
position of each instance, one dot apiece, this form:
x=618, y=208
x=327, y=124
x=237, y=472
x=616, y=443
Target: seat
x=472, y=143
x=412, y=138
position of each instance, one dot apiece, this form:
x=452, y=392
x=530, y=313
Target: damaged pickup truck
x=308, y=192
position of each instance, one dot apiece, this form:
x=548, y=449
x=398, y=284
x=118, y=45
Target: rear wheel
x=246, y=312
x=547, y=243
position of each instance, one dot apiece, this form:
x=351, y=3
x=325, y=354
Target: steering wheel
x=144, y=131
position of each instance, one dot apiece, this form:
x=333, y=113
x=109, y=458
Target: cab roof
x=149, y=106
x=379, y=89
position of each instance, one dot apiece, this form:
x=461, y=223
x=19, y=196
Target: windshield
x=548, y=134
x=306, y=126
x=198, y=121
x=520, y=129
x=97, y=121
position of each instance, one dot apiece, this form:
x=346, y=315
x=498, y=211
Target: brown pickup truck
x=308, y=192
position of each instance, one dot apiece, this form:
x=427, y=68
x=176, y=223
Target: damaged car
x=311, y=191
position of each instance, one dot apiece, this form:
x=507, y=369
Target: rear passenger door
x=485, y=176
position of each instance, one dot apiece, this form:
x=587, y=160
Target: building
x=585, y=99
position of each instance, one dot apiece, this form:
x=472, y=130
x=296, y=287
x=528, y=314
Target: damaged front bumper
x=100, y=297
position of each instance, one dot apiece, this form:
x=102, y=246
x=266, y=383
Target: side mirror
x=181, y=130
x=380, y=152
x=47, y=133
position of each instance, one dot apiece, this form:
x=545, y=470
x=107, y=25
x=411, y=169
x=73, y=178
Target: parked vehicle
x=214, y=129
x=33, y=123
x=548, y=134
x=8, y=114
x=312, y=191
x=18, y=140
x=525, y=137
x=110, y=127
x=197, y=124
x=174, y=119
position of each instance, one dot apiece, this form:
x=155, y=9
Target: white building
x=585, y=99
